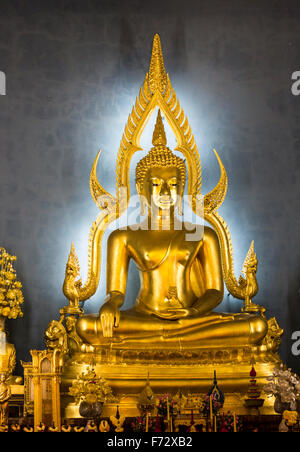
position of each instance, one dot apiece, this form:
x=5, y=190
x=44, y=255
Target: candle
x=168, y=410
x=215, y=423
x=147, y=422
x=210, y=409
x=234, y=422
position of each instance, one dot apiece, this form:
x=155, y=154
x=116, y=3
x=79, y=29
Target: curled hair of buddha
x=160, y=156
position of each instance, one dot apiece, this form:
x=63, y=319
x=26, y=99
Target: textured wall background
x=73, y=70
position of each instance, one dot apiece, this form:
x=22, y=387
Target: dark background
x=73, y=70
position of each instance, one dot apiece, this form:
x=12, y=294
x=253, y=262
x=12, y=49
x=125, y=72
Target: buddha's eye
x=155, y=183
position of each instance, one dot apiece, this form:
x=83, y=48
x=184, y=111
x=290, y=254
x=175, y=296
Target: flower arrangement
x=162, y=405
x=139, y=424
x=225, y=423
x=291, y=417
x=11, y=296
x=215, y=404
x=284, y=385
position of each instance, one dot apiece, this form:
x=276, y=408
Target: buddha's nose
x=165, y=190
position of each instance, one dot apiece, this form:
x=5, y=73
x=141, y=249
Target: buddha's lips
x=166, y=201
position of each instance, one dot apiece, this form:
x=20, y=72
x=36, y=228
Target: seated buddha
x=181, y=281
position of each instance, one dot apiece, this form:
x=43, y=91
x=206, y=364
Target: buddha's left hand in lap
x=177, y=313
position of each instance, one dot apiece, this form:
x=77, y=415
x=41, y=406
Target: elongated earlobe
x=179, y=208
x=143, y=206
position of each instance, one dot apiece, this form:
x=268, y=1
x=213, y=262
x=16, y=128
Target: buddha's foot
x=141, y=339
x=86, y=348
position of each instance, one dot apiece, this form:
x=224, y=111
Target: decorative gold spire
x=157, y=73
x=73, y=260
x=159, y=135
x=250, y=259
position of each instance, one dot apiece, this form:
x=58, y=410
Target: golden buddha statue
x=181, y=279
x=183, y=268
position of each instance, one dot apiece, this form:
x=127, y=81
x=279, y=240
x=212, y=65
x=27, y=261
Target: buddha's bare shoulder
x=210, y=235
x=126, y=234
x=118, y=235
x=207, y=233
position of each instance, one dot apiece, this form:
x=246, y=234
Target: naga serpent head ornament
x=157, y=92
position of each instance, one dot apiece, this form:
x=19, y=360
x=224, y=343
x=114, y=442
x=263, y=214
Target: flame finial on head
x=159, y=134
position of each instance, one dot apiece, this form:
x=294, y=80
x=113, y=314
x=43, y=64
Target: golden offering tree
x=91, y=388
x=11, y=299
x=11, y=296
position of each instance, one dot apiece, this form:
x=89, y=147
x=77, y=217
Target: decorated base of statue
x=127, y=380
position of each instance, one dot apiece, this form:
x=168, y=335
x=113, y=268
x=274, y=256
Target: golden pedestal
x=190, y=370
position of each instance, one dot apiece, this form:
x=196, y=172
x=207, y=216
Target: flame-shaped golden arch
x=157, y=91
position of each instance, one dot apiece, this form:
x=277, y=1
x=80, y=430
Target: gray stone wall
x=73, y=69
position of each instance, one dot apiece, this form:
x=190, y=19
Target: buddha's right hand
x=110, y=313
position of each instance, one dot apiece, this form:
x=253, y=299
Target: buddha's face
x=162, y=187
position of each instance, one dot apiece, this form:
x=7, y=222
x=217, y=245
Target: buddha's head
x=160, y=176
